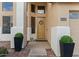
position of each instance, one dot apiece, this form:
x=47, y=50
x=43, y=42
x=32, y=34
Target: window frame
x=11, y=20
x=74, y=13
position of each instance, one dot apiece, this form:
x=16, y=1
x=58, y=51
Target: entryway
x=39, y=49
x=38, y=28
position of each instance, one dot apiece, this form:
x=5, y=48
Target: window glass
x=74, y=15
x=7, y=6
x=33, y=8
x=41, y=9
x=7, y=21
x=32, y=25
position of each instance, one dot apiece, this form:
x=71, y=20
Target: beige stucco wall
x=56, y=11
x=25, y=24
x=52, y=19
x=74, y=29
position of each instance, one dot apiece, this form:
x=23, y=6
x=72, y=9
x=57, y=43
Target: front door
x=40, y=28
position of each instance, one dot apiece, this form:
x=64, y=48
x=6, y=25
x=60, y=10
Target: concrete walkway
x=33, y=49
x=38, y=49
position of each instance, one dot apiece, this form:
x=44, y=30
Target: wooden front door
x=40, y=28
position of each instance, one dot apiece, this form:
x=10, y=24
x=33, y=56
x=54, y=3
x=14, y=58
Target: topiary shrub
x=66, y=39
x=18, y=40
x=19, y=35
x=3, y=51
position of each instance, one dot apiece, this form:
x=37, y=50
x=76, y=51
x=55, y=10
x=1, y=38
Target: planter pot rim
x=68, y=43
x=18, y=37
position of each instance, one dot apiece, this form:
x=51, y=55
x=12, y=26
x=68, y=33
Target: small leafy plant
x=19, y=35
x=66, y=39
x=3, y=51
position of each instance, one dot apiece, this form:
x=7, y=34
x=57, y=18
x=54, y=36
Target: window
x=7, y=6
x=41, y=9
x=7, y=23
x=33, y=8
x=33, y=25
x=74, y=15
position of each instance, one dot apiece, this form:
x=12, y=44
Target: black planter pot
x=18, y=43
x=66, y=49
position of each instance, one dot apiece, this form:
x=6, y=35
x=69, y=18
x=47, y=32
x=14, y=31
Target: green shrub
x=19, y=35
x=3, y=51
x=66, y=39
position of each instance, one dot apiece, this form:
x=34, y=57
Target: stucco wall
x=25, y=24
x=51, y=19
x=73, y=23
x=56, y=11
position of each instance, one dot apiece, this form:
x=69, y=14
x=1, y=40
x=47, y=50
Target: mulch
x=50, y=53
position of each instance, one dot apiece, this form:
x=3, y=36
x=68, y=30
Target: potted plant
x=3, y=52
x=66, y=46
x=18, y=40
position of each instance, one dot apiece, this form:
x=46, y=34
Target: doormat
x=41, y=40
